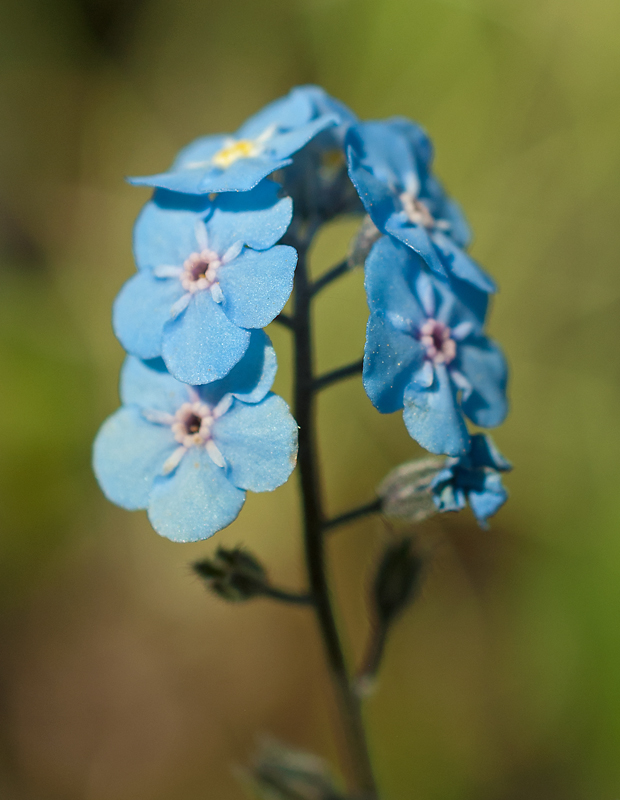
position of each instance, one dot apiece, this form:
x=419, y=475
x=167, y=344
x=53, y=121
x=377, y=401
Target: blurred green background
x=120, y=678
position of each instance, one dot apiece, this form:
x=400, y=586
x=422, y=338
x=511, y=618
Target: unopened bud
x=406, y=491
x=362, y=243
x=233, y=574
x=280, y=773
x=397, y=580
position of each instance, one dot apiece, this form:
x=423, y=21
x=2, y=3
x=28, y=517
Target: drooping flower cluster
x=199, y=425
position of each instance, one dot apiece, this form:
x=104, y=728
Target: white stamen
x=232, y=252
x=267, y=133
x=216, y=293
x=158, y=417
x=462, y=383
x=215, y=454
x=202, y=236
x=173, y=461
x=167, y=271
x=462, y=330
x=222, y=407
x=180, y=305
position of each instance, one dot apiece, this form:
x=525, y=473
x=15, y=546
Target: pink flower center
x=199, y=271
x=436, y=339
x=192, y=424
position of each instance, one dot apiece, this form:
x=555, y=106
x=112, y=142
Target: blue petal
x=180, y=177
x=416, y=237
x=286, y=144
x=128, y=454
x=195, y=501
x=144, y=385
x=242, y=175
x=287, y=112
x=164, y=235
x=418, y=139
x=483, y=364
x=484, y=453
x=256, y=285
x=433, y=418
x=202, y=345
x=461, y=264
x=487, y=501
x=259, y=442
x=390, y=358
x=256, y=218
x=251, y=378
x=391, y=272
x=141, y=310
x=381, y=148
x=376, y=196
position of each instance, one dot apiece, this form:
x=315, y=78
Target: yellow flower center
x=243, y=148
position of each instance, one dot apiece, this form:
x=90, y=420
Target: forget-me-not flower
x=263, y=144
x=389, y=164
x=473, y=478
x=199, y=289
x=425, y=350
x=188, y=454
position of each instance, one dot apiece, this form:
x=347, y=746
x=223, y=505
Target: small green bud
x=397, y=580
x=406, y=491
x=234, y=575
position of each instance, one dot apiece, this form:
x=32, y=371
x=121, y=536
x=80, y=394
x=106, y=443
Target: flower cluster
x=199, y=425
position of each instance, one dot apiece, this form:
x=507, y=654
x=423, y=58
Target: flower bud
x=397, y=580
x=406, y=491
x=280, y=773
x=362, y=243
x=234, y=575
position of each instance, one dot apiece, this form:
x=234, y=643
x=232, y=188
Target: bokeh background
x=120, y=677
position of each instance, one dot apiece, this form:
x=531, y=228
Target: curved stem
x=304, y=409
x=287, y=597
x=355, y=513
x=323, y=381
x=329, y=276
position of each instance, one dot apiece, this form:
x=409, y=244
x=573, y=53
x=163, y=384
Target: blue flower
x=317, y=180
x=389, y=164
x=189, y=453
x=237, y=163
x=199, y=290
x=474, y=478
x=425, y=351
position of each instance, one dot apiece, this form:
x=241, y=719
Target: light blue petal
x=391, y=272
x=198, y=154
x=195, y=501
x=483, y=364
x=416, y=237
x=242, y=175
x=165, y=234
x=418, y=140
x=383, y=150
x=461, y=264
x=285, y=144
x=202, y=345
x=433, y=418
x=256, y=218
x=379, y=201
x=251, y=378
x=484, y=453
x=141, y=310
x=148, y=385
x=256, y=285
x=390, y=358
x=291, y=111
x=487, y=501
x=128, y=454
x=259, y=442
